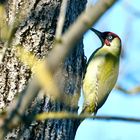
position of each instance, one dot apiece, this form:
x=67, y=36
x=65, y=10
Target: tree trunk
x=36, y=34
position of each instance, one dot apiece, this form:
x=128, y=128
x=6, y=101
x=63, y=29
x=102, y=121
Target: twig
x=67, y=115
x=61, y=20
x=134, y=90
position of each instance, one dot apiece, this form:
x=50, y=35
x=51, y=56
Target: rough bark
x=36, y=34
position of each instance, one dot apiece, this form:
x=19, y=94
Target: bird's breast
x=100, y=78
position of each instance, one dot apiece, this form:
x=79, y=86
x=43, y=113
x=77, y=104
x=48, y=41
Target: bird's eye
x=110, y=37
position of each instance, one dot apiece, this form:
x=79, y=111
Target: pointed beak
x=99, y=34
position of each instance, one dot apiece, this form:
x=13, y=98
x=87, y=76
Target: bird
x=101, y=72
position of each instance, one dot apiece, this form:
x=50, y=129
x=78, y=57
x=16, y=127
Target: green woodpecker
x=101, y=72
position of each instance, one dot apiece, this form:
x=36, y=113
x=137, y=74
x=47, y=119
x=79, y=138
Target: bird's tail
x=86, y=111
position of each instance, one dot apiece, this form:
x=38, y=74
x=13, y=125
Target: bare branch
x=67, y=115
x=134, y=90
x=41, y=71
x=61, y=19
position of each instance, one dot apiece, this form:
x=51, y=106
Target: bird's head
x=109, y=40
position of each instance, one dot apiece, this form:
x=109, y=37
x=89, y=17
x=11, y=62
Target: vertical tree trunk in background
x=36, y=34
